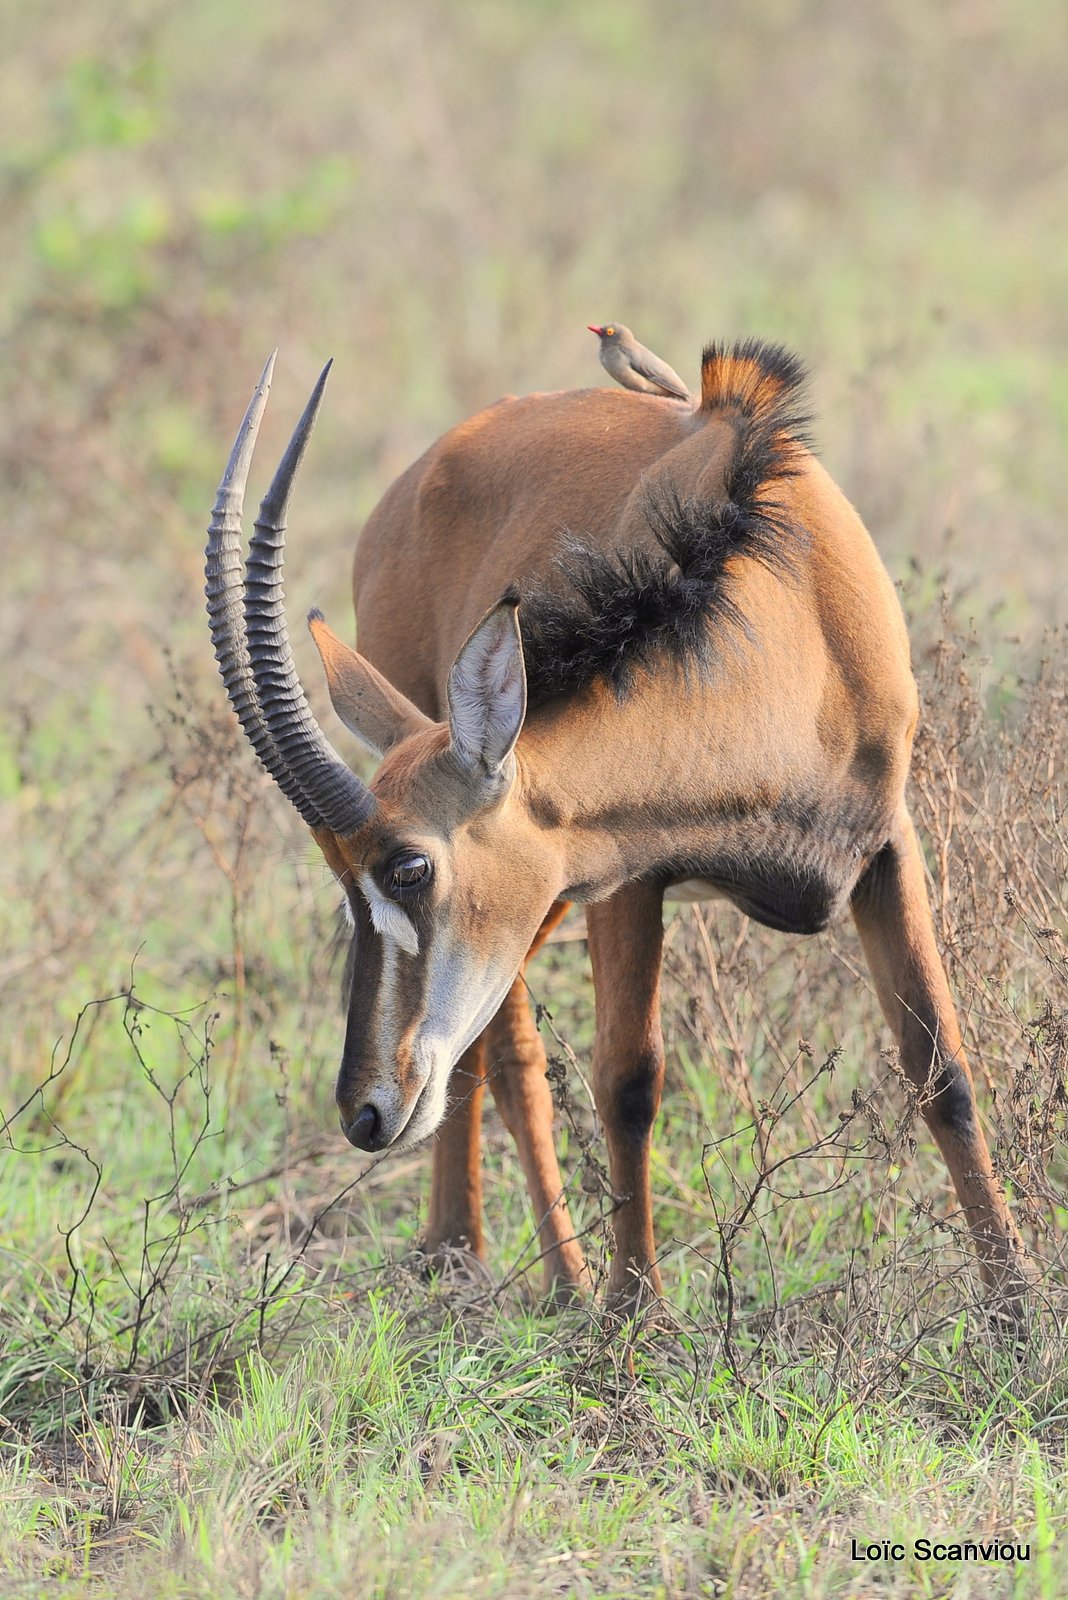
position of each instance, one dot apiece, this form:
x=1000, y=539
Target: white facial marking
x=430, y=1107
x=346, y=906
x=455, y=986
x=386, y=1026
x=387, y=917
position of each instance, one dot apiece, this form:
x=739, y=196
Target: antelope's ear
x=367, y=703
x=488, y=691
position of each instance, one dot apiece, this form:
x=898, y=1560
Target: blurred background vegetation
x=442, y=196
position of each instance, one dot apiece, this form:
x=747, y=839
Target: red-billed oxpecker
x=635, y=367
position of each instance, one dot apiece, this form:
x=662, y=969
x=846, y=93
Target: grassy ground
x=221, y=1369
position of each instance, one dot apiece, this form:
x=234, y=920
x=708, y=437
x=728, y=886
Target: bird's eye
x=407, y=873
x=610, y=332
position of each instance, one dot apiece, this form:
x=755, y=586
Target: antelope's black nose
x=365, y=1129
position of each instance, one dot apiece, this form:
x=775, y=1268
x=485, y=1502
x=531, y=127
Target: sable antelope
x=704, y=691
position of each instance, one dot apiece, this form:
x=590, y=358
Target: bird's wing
x=657, y=371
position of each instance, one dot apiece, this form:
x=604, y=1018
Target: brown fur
x=774, y=776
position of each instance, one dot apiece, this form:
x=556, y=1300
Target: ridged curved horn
x=330, y=789
x=226, y=593
x=226, y=602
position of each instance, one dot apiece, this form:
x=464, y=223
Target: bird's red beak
x=593, y=329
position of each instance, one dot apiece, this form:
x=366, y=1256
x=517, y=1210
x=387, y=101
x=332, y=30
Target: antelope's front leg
x=516, y=1072
x=626, y=936
x=455, y=1217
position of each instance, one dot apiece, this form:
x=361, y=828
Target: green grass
x=496, y=1458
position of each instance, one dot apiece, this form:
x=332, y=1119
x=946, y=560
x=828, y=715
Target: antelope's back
x=495, y=500
x=489, y=505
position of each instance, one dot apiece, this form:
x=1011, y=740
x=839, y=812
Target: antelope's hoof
x=635, y=1297
x=454, y=1264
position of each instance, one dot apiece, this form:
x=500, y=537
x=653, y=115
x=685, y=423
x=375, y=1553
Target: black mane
x=619, y=610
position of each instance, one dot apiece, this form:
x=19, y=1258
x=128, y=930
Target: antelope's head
x=431, y=855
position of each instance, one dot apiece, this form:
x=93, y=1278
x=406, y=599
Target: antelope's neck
x=621, y=784
x=706, y=787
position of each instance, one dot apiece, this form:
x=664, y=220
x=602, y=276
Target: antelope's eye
x=407, y=873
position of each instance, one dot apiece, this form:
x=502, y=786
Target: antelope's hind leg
x=893, y=918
